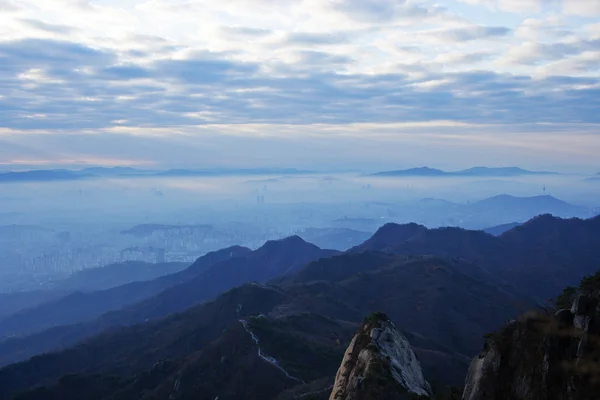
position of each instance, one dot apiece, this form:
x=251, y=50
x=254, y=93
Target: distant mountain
x=500, y=229
x=11, y=303
x=80, y=307
x=133, y=303
x=41, y=176
x=474, y=172
x=282, y=341
x=117, y=274
x=422, y=171
x=98, y=172
x=116, y=171
x=506, y=171
x=537, y=204
x=232, y=172
x=511, y=208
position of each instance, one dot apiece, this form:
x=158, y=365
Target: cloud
x=312, y=38
x=470, y=33
x=43, y=26
x=569, y=7
x=148, y=69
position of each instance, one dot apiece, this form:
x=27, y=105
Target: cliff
x=379, y=364
x=541, y=358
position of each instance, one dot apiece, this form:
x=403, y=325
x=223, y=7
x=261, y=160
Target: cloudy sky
x=362, y=84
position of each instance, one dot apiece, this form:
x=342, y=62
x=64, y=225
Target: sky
x=320, y=84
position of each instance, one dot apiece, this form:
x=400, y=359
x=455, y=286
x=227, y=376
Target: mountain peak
x=391, y=234
x=295, y=241
x=379, y=364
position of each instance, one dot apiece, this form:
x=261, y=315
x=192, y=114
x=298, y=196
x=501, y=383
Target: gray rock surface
x=541, y=358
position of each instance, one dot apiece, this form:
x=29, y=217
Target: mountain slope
x=117, y=274
x=81, y=307
x=304, y=325
x=537, y=258
x=205, y=279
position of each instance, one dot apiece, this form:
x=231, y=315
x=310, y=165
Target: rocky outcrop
x=541, y=358
x=379, y=364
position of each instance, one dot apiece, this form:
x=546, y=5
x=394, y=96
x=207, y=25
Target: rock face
x=379, y=364
x=541, y=358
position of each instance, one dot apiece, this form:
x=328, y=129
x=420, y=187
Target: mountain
x=537, y=258
x=231, y=172
x=526, y=205
x=540, y=357
x=98, y=172
x=422, y=171
x=294, y=330
x=87, y=280
x=117, y=274
x=472, y=172
x=80, y=307
x=500, y=229
x=506, y=171
x=205, y=279
x=41, y=176
x=12, y=302
x=379, y=364
x=511, y=208
x=298, y=328
x=334, y=238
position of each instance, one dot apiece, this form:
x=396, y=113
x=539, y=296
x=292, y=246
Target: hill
x=299, y=329
x=117, y=274
x=41, y=176
x=537, y=258
x=126, y=172
x=422, y=171
x=204, y=280
x=473, y=172
x=77, y=307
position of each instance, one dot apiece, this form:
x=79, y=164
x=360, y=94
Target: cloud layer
x=132, y=71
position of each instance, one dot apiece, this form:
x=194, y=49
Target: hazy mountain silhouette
x=207, y=278
x=79, y=307
x=473, y=172
x=421, y=171
x=117, y=274
x=500, y=229
x=41, y=176
x=98, y=172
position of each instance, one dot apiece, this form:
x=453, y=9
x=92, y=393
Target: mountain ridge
x=474, y=171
